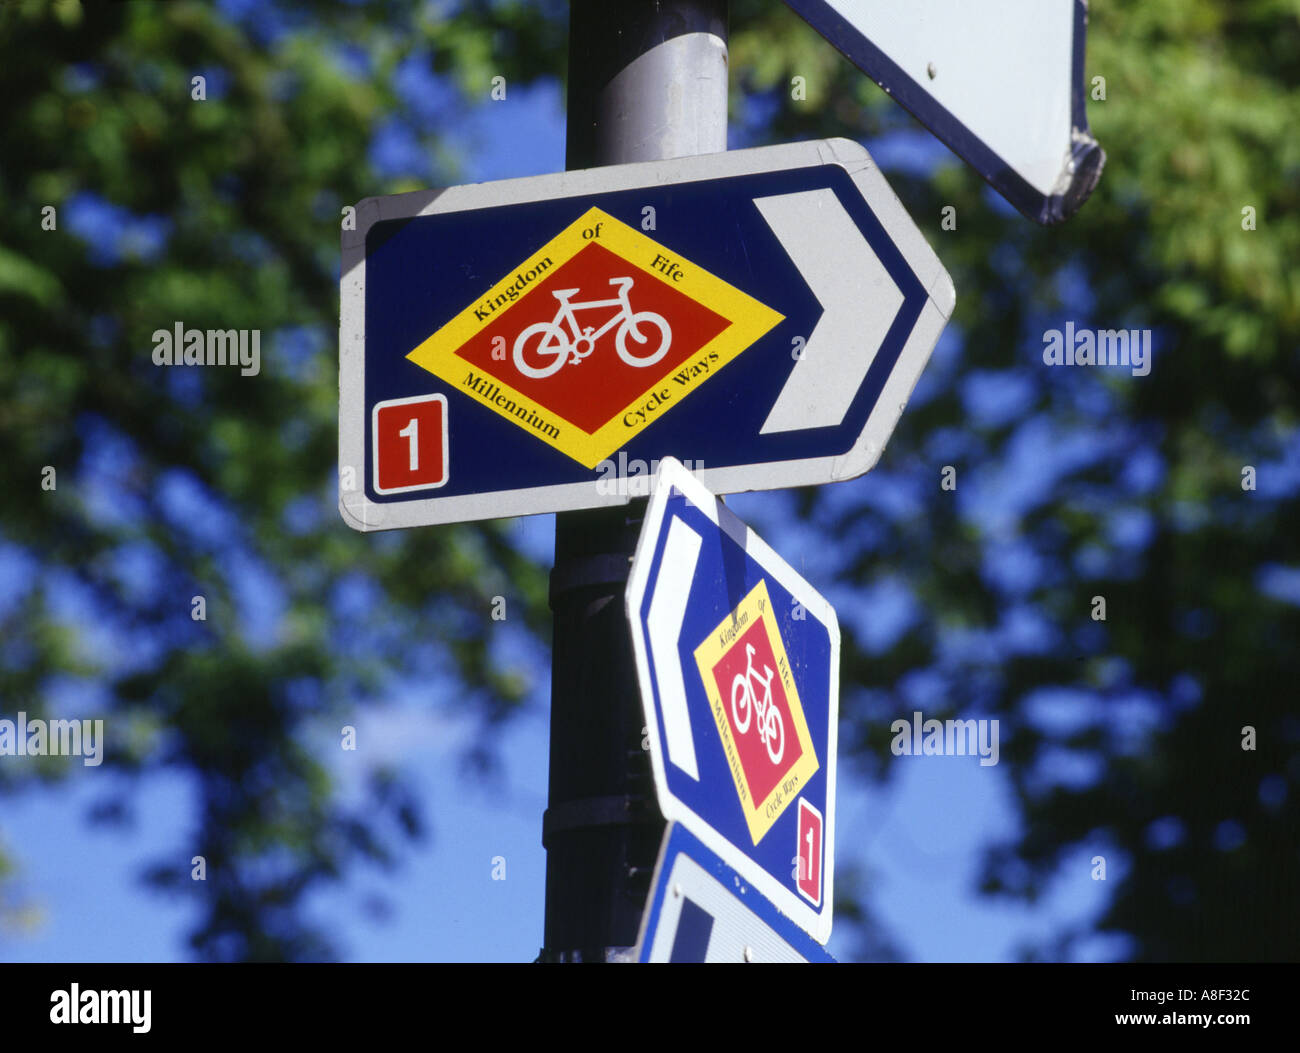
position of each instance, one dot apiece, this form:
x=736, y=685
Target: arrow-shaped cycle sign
x=738, y=662
x=537, y=345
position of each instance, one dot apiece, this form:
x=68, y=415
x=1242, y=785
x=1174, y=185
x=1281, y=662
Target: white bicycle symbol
x=556, y=347
x=745, y=703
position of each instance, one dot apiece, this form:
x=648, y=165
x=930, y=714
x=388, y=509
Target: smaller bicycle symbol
x=557, y=347
x=746, y=703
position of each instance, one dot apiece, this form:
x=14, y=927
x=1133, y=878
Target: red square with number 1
x=409, y=438
x=809, y=880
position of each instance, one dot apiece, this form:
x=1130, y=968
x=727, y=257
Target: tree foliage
x=174, y=483
x=1127, y=734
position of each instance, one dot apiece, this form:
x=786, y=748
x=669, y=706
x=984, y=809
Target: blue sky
x=916, y=841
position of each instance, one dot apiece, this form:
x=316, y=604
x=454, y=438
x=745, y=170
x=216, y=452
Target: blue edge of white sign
x=681, y=841
x=1087, y=160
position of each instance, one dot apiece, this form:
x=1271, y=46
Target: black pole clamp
x=598, y=811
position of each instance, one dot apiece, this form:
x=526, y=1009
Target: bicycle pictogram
x=556, y=347
x=746, y=704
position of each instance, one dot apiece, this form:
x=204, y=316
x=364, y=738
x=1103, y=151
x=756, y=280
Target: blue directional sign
x=1001, y=82
x=537, y=345
x=701, y=910
x=738, y=662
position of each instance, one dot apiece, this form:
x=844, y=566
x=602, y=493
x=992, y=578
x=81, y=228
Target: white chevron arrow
x=859, y=301
x=664, y=625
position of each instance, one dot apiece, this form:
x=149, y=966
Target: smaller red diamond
x=762, y=725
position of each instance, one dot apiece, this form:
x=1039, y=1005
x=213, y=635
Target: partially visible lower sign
x=701, y=910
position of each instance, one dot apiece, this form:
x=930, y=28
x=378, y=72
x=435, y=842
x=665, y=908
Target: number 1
x=411, y=433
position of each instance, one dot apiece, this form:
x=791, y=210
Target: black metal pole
x=647, y=81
